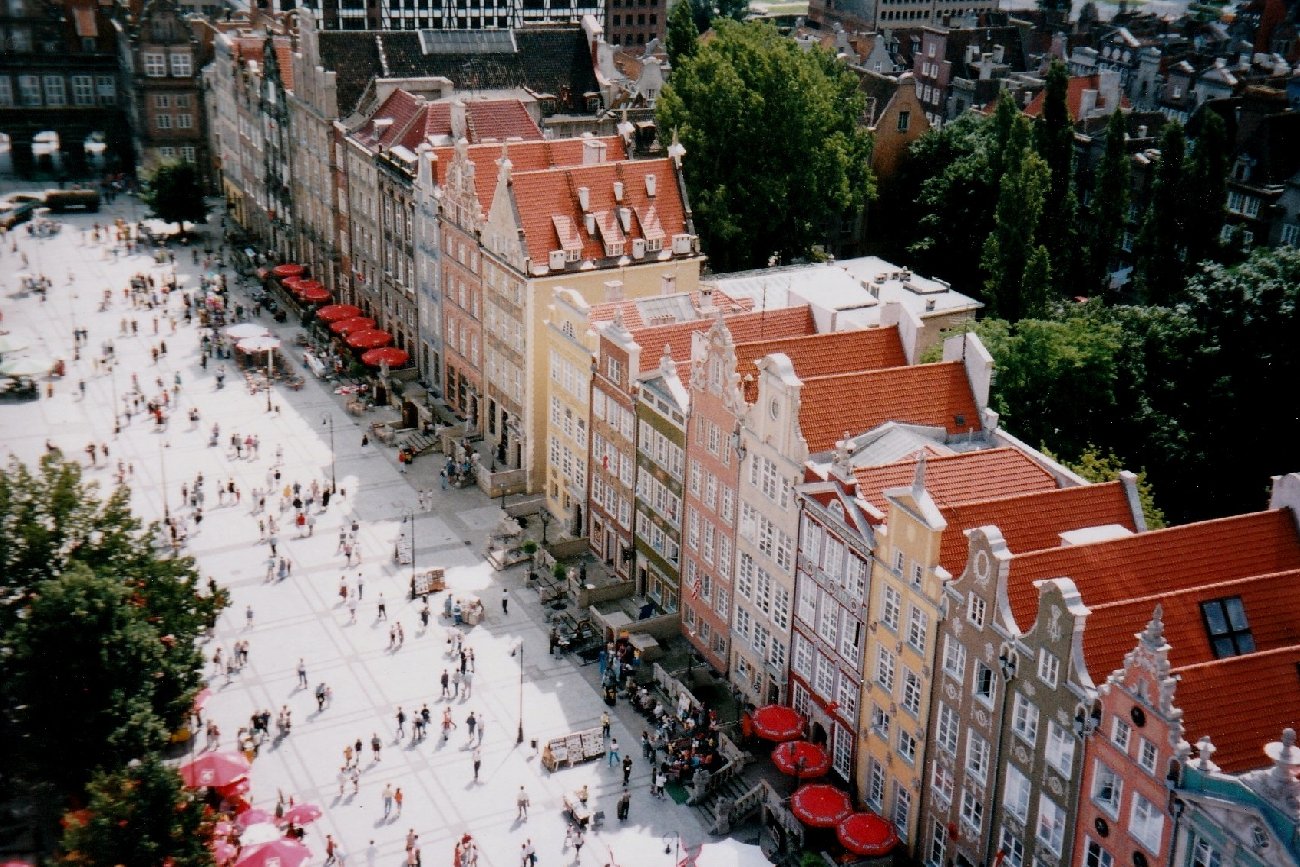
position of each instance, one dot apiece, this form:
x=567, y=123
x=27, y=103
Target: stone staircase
x=418, y=443
x=731, y=789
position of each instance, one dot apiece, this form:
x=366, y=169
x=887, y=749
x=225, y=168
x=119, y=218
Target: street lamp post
x=268, y=379
x=519, y=648
x=334, y=482
x=162, y=466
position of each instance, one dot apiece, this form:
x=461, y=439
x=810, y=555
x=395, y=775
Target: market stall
x=573, y=749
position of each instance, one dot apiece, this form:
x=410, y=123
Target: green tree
x=1162, y=266
x=1054, y=139
x=1098, y=467
x=175, y=194
x=1009, y=246
x=1036, y=283
x=1108, y=209
x=749, y=84
x=1207, y=185
x=683, y=36
x=138, y=815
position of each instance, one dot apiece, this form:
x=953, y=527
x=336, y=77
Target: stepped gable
x=1159, y=561
x=929, y=394
x=958, y=478
x=543, y=196
x=678, y=338
x=1031, y=521
x=1240, y=702
x=823, y=354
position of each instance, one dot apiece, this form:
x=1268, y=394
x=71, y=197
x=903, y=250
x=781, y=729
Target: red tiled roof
x=961, y=478
x=543, y=194
x=525, y=156
x=498, y=120
x=1032, y=521
x=745, y=327
x=823, y=354
x=1267, y=599
x=1159, y=561
x=1242, y=703
x=927, y=394
x=1073, y=96
x=402, y=108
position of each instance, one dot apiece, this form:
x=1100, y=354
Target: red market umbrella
x=390, y=355
x=291, y=282
x=303, y=285
x=253, y=816
x=277, y=853
x=222, y=851
x=288, y=270
x=356, y=323
x=214, y=769
x=235, y=788
x=801, y=759
x=776, y=722
x=368, y=339
x=302, y=814
x=336, y=312
x=866, y=834
x=314, y=295
x=820, y=806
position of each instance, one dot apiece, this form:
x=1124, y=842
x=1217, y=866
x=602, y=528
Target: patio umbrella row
x=823, y=806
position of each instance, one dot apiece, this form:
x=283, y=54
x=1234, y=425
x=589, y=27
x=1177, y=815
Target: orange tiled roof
x=1073, y=96
x=928, y=394
x=1160, y=561
x=1035, y=520
x=525, y=156
x=1267, y=599
x=960, y=478
x=498, y=120
x=402, y=108
x=823, y=354
x=782, y=322
x=554, y=191
x=1242, y=703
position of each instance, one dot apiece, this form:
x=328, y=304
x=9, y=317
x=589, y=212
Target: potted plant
x=530, y=547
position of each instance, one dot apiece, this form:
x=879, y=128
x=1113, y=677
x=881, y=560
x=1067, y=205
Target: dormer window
x=1227, y=627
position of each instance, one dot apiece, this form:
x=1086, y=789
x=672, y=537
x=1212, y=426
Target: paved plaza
x=303, y=616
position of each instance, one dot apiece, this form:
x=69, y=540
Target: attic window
x=1225, y=622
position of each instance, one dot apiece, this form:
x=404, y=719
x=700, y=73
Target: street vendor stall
x=573, y=749
x=463, y=608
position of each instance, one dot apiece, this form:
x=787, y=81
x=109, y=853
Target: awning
x=288, y=270
x=372, y=339
x=336, y=312
x=776, y=722
x=389, y=355
x=347, y=326
x=867, y=834
x=214, y=769
x=801, y=759
x=820, y=806
x=314, y=294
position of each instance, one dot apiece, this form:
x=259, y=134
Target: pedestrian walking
x=388, y=799
x=505, y=601
x=248, y=617
x=447, y=724
x=374, y=747
x=383, y=608
x=578, y=840
x=624, y=803
x=445, y=680
x=627, y=769
x=322, y=693
x=467, y=682
x=478, y=762
x=521, y=804
x=470, y=722
x=604, y=725
x=455, y=684
x=613, y=752
x=401, y=722
x=302, y=673
x=482, y=727
x=331, y=850
x=397, y=800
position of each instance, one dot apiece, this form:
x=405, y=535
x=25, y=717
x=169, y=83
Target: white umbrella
x=262, y=832
x=246, y=329
x=261, y=343
x=32, y=366
x=14, y=341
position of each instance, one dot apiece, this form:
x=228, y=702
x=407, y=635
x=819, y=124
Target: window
x=1048, y=667
x=941, y=784
x=155, y=65
x=163, y=121
x=1145, y=822
x=184, y=121
x=1120, y=731
x=1225, y=621
x=1012, y=847
x=1017, y=794
x=954, y=657
x=1060, y=748
x=938, y=840
x=1203, y=854
x=83, y=90
x=977, y=757
x=181, y=66
x=917, y=626
x=1291, y=234
x=162, y=100
x=876, y=786
x=902, y=809
x=911, y=692
x=1107, y=787
x=893, y=606
x=54, y=90
x=983, y=684
x=1024, y=719
x=1051, y=824
x=972, y=811
x=880, y=721
x=29, y=89
x=948, y=729
x=885, y=669
x=904, y=117
x=907, y=745
x=1147, y=755
x=975, y=608
x=1096, y=856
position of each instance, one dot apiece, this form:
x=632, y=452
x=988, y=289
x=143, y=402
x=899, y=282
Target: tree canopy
x=683, y=34
x=175, y=194
x=811, y=172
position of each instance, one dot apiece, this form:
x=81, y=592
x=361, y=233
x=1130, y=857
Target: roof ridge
x=934, y=365
x=1154, y=536
x=1253, y=655
x=1191, y=588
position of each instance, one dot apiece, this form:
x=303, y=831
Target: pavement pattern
x=303, y=616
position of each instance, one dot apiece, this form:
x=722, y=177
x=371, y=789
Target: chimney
x=458, y=124
x=1108, y=90
x=591, y=225
x=650, y=186
x=972, y=53
x=999, y=52
x=584, y=199
x=593, y=152
x=1087, y=104
x=1142, y=131
x=613, y=290
x=667, y=284
x=618, y=191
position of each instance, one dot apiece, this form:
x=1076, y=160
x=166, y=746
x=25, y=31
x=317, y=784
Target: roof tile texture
x=824, y=354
